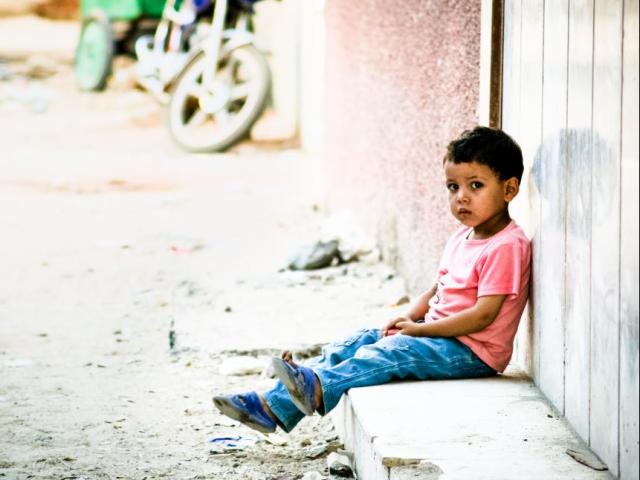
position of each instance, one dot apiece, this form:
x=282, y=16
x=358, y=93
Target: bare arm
x=416, y=312
x=421, y=306
x=471, y=320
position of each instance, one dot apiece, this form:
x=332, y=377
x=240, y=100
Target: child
x=462, y=327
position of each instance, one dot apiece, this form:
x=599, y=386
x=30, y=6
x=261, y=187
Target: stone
x=339, y=464
x=311, y=257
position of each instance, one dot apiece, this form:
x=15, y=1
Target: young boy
x=462, y=327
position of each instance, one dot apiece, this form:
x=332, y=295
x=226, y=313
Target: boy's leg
x=278, y=399
x=399, y=357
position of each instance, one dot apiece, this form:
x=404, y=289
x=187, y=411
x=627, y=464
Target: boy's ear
x=511, y=188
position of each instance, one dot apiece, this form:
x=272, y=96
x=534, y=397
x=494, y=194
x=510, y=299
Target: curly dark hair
x=488, y=146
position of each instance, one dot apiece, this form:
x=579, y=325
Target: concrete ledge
x=498, y=428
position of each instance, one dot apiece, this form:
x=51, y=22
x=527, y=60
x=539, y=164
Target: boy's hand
x=393, y=324
x=409, y=327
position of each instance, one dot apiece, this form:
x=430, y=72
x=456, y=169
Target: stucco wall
x=402, y=80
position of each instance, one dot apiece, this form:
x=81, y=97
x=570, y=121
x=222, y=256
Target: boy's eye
x=452, y=187
x=476, y=185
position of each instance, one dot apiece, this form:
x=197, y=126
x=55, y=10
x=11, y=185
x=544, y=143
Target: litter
x=230, y=444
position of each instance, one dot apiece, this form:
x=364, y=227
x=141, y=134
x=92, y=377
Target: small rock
x=305, y=442
x=319, y=255
x=172, y=336
x=340, y=465
x=401, y=301
x=319, y=450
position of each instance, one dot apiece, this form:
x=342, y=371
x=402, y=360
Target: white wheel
x=211, y=119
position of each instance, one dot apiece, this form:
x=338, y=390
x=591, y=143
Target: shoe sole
x=283, y=372
x=231, y=412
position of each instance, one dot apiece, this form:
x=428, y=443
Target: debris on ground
x=230, y=444
x=320, y=450
x=313, y=476
x=587, y=458
x=312, y=257
x=401, y=301
x=340, y=464
x=237, y=366
x=172, y=335
x=342, y=241
x=354, y=243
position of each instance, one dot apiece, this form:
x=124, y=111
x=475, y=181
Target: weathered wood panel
x=573, y=106
x=511, y=69
x=629, y=239
x=578, y=251
x=551, y=177
x=511, y=116
x=605, y=252
x=530, y=141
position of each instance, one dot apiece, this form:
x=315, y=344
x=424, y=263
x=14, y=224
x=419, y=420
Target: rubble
x=230, y=444
x=243, y=366
x=318, y=255
x=340, y=464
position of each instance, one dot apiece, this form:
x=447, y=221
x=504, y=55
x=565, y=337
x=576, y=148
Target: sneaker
x=247, y=409
x=300, y=382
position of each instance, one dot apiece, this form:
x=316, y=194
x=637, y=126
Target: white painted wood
x=551, y=176
x=629, y=292
x=578, y=220
x=605, y=291
x=511, y=116
x=486, y=12
x=530, y=141
x=511, y=69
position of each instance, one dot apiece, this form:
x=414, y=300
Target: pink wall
x=402, y=80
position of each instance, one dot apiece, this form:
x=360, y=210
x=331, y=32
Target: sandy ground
x=108, y=236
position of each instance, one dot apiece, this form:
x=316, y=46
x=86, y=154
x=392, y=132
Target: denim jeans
x=366, y=359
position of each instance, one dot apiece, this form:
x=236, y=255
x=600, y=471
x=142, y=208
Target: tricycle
x=110, y=27
x=200, y=59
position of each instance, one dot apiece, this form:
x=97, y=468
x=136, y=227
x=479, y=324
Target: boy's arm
x=417, y=311
x=468, y=321
x=421, y=306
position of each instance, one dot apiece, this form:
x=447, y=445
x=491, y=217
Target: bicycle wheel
x=94, y=53
x=205, y=118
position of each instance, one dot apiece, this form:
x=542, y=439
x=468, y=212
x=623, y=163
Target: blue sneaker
x=246, y=408
x=300, y=382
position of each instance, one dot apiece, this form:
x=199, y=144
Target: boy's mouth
x=464, y=211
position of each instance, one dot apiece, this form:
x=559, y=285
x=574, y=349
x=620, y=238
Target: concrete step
x=497, y=428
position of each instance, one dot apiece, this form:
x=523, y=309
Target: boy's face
x=477, y=197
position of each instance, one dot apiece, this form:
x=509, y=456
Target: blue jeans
x=366, y=359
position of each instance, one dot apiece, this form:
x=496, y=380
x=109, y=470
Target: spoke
x=240, y=91
x=223, y=116
x=197, y=119
x=196, y=90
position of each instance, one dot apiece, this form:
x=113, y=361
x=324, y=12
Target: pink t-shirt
x=499, y=265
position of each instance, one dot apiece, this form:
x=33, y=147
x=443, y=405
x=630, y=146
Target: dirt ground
x=110, y=238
